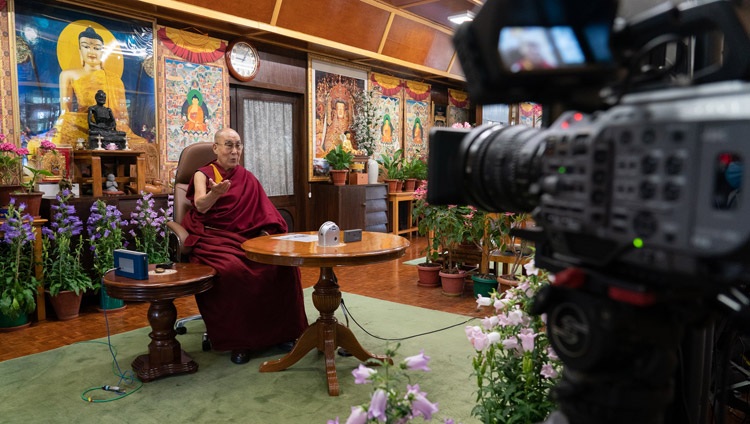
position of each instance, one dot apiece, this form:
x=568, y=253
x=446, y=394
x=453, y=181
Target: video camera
x=635, y=188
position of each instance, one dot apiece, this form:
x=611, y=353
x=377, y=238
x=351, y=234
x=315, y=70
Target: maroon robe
x=251, y=306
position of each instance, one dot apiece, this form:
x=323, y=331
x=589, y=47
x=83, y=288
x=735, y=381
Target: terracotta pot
x=410, y=184
x=5, y=191
x=429, y=274
x=394, y=186
x=66, y=304
x=32, y=200
x=453, y=283
x=338, y=176
x=506, y=282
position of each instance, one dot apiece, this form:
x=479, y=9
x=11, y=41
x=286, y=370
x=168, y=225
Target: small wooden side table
x=393, y=201
x=165, y=356
x=326, y=334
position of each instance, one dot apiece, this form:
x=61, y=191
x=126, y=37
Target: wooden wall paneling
x=257, y=10
x=352, y=23
x=279, y=73
x=417, y=43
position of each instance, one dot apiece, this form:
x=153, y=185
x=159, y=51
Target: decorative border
x=328, y=80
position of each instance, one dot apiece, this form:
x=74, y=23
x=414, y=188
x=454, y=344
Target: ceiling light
x=461, y=17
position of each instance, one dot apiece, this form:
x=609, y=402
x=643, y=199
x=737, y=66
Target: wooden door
x=271, y=128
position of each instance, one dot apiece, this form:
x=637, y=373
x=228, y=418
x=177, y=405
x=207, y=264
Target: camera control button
x=649, y=164
x=673, y=165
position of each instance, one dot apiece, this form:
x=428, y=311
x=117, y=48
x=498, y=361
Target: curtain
x=267, y=135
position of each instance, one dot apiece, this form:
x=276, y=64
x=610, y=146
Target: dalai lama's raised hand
x=219, y=188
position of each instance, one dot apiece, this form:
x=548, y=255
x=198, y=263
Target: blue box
x=131, y=264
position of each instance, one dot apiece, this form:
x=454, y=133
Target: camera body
x=647, y=190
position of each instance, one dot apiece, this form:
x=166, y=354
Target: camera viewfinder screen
x=727, y=181
x=533, y=48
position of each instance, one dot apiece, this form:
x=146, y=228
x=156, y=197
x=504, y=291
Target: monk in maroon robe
x=251, y=306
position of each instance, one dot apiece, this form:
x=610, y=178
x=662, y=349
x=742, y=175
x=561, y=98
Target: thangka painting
x=333, y=87
x=530, y=114
x=417, y=118
x=194, y=103
x=458, y=107
x=390, y=108
x=64, y=56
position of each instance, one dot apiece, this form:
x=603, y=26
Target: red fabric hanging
x=196, y=48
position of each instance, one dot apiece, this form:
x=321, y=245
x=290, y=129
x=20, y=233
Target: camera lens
x=499, y=166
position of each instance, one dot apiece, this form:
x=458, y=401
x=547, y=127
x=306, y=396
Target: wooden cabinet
x=89, y=167
x=352, y=207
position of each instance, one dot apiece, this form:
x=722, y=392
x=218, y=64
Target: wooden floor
x=391, y=281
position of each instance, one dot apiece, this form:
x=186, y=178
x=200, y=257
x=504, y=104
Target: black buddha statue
x=102, y=124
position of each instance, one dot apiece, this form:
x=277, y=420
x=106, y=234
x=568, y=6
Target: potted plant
x=486, y=231
x=514, y=364
x=414, y=170
x=390, y=167
x=425, y=216
x=18, y=283
x=104, y=228
x=64, y=277
x=10, y=169
x=339, y=159
x=150, y=228
x=512, y=251
x=27, y=193
x=366, y=118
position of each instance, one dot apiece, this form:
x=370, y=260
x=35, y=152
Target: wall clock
x=242, y=59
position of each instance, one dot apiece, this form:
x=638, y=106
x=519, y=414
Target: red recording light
x=565, y=125
x=577, y=116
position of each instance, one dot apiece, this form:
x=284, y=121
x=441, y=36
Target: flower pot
x=13, y=324
x=429, y=274
x=5, y=191
x=66, y=304
x=106, y=302
x=505, y=282
x=338, y=176
x=410, y=184
x=484, y=286
x=453, y=283
x=394, y=186
x=32, y=200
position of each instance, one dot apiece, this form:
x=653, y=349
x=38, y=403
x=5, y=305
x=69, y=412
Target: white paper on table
x=298, y=237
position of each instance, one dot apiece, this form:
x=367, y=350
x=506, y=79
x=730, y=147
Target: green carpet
x=413, y=262
x=46, y=387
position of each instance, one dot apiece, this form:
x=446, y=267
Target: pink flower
x=510, y=343
x=47, y=145
x=548, y=371
x=362, y=374
x=527, y=339
x=417, y=362
x=477, y=337
x=483, y=301
x=377, y=405
x=358, y=416
x=490, y=322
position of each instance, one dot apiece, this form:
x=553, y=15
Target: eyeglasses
x=229, y=146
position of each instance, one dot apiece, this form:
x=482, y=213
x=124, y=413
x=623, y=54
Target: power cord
x=131, y=383
x=347, y=313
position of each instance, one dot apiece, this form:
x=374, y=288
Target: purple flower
x=362, y=374
x=417, y=362
x=420, y=405
x=358, y=416
x=377, y=405
x=548, y=371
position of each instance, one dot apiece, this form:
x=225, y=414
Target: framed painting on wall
x=332, y=85
x=417, y=117
x=65, y=55
x=194, y=96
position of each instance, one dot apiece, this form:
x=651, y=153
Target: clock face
x=243, y=60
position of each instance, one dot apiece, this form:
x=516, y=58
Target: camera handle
x=620, y=357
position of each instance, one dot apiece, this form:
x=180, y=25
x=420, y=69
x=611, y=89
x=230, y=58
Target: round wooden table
x=326, y=334
x=165, y=356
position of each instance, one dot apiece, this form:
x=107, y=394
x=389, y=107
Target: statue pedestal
x=88, y=168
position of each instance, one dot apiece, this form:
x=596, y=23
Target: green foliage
x=18, y=283
x=339, y=158
x=150, y=231
x=390, y=166
x=28, y=185
x=514, y=365
x=62, y=243
x=449, y=225
x=415, y=167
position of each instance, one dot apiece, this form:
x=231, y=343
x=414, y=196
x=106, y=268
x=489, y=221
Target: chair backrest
x=192, y=157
